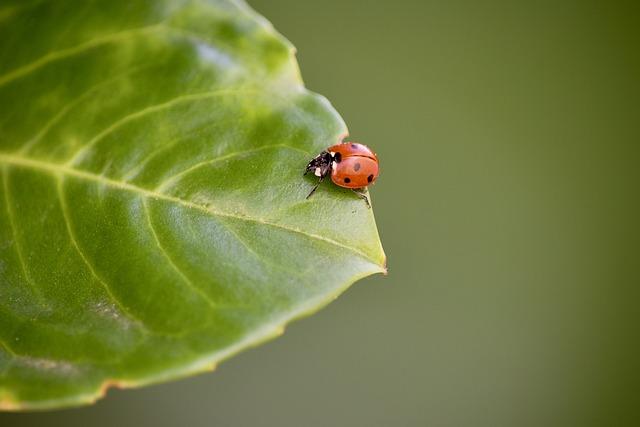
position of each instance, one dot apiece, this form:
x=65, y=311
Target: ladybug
x=351, y=165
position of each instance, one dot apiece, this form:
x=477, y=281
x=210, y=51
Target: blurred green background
x=508, y=205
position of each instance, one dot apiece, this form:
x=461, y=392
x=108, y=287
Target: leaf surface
x=153, y=218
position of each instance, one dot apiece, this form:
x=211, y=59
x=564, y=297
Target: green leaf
x=153, y=218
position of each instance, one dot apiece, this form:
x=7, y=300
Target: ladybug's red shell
x=355, y=172
x=354, y=165
x=353, y=149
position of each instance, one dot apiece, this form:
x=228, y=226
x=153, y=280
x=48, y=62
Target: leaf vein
x=145, y=111
x=133, y=171
x=74, y=50
x=57, y=168
x=66, y=108
x=74, y=242
x=12, y=226
x=167, y=181
x=8, y=349
x=184, y=277
x=257, y=256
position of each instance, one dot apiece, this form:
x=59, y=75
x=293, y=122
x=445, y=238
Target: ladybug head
x=320, y=165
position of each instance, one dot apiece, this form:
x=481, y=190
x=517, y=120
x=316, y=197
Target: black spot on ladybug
x=354, y=146
x=356, y=167
x=370, y=178
x=347, y=180
x=337, y=157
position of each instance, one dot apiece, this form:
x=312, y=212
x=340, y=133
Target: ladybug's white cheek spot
x=318, y=172
x=333, y=165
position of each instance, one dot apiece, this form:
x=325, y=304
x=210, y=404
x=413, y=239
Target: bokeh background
x=508, y=205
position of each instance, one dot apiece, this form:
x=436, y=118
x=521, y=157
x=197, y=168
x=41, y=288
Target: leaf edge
x=208, y=363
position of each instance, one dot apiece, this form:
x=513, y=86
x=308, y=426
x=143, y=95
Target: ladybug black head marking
x=320, y=165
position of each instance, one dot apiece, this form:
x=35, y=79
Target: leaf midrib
x=61, y=169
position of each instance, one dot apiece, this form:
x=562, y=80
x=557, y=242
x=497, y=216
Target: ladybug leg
x=314, y=188
x=362, y=196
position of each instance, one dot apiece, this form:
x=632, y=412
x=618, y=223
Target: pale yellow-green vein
x=16, y=160
x=173, y=178
x=74, y=241
x=177, y=269
x=16, y=239
x=146, y=111
x=74, y=50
